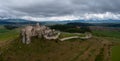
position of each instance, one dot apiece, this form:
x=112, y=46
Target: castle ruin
x=39, y=31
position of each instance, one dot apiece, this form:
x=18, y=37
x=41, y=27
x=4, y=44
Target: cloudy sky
x=44, y=10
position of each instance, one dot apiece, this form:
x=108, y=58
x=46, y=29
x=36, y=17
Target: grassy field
x=94, y=49
x=63, y=35
x=113, y=36
x=6, y=34
x=116, y=53
x=50, y=50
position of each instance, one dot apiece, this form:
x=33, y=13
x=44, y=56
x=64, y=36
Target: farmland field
x=113, y=36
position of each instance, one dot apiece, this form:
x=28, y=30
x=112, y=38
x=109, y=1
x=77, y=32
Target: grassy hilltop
x=52, y=50
x=98, y=48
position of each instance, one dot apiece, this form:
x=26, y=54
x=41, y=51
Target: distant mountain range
x=96, y=21
x=15, y=21
x=23, y=21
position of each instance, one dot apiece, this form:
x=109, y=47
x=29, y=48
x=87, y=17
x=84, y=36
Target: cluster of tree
x=10, y=27
x=71, y=28
x=95, y=24
x=80, y=24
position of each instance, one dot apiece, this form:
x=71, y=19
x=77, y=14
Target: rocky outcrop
x=39, y=31
x=26, y=34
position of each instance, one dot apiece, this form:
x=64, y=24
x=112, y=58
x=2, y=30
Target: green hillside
x=52, y=50
x=96, y=48
x=116, y=53
x=6, y=34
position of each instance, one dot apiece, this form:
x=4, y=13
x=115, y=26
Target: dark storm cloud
x=99, y=5
x=53, y=8
x=48, y=8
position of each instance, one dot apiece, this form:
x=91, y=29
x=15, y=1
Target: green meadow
x=116, y=53
x=6, y=34
x=111, y=36
x=64, y=34
x=45, y=47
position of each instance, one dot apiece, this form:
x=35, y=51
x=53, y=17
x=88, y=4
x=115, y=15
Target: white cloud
x=101, y=16
x=48, y=10
x=87, y=16
x=22, y=3
x=59, y=18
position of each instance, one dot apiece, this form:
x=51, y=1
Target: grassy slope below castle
x=52, y=50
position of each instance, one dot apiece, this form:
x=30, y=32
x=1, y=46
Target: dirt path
x=95, y=52
x=82, y=50
x=86, y=56
x=93, y=56
x=106, y=53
